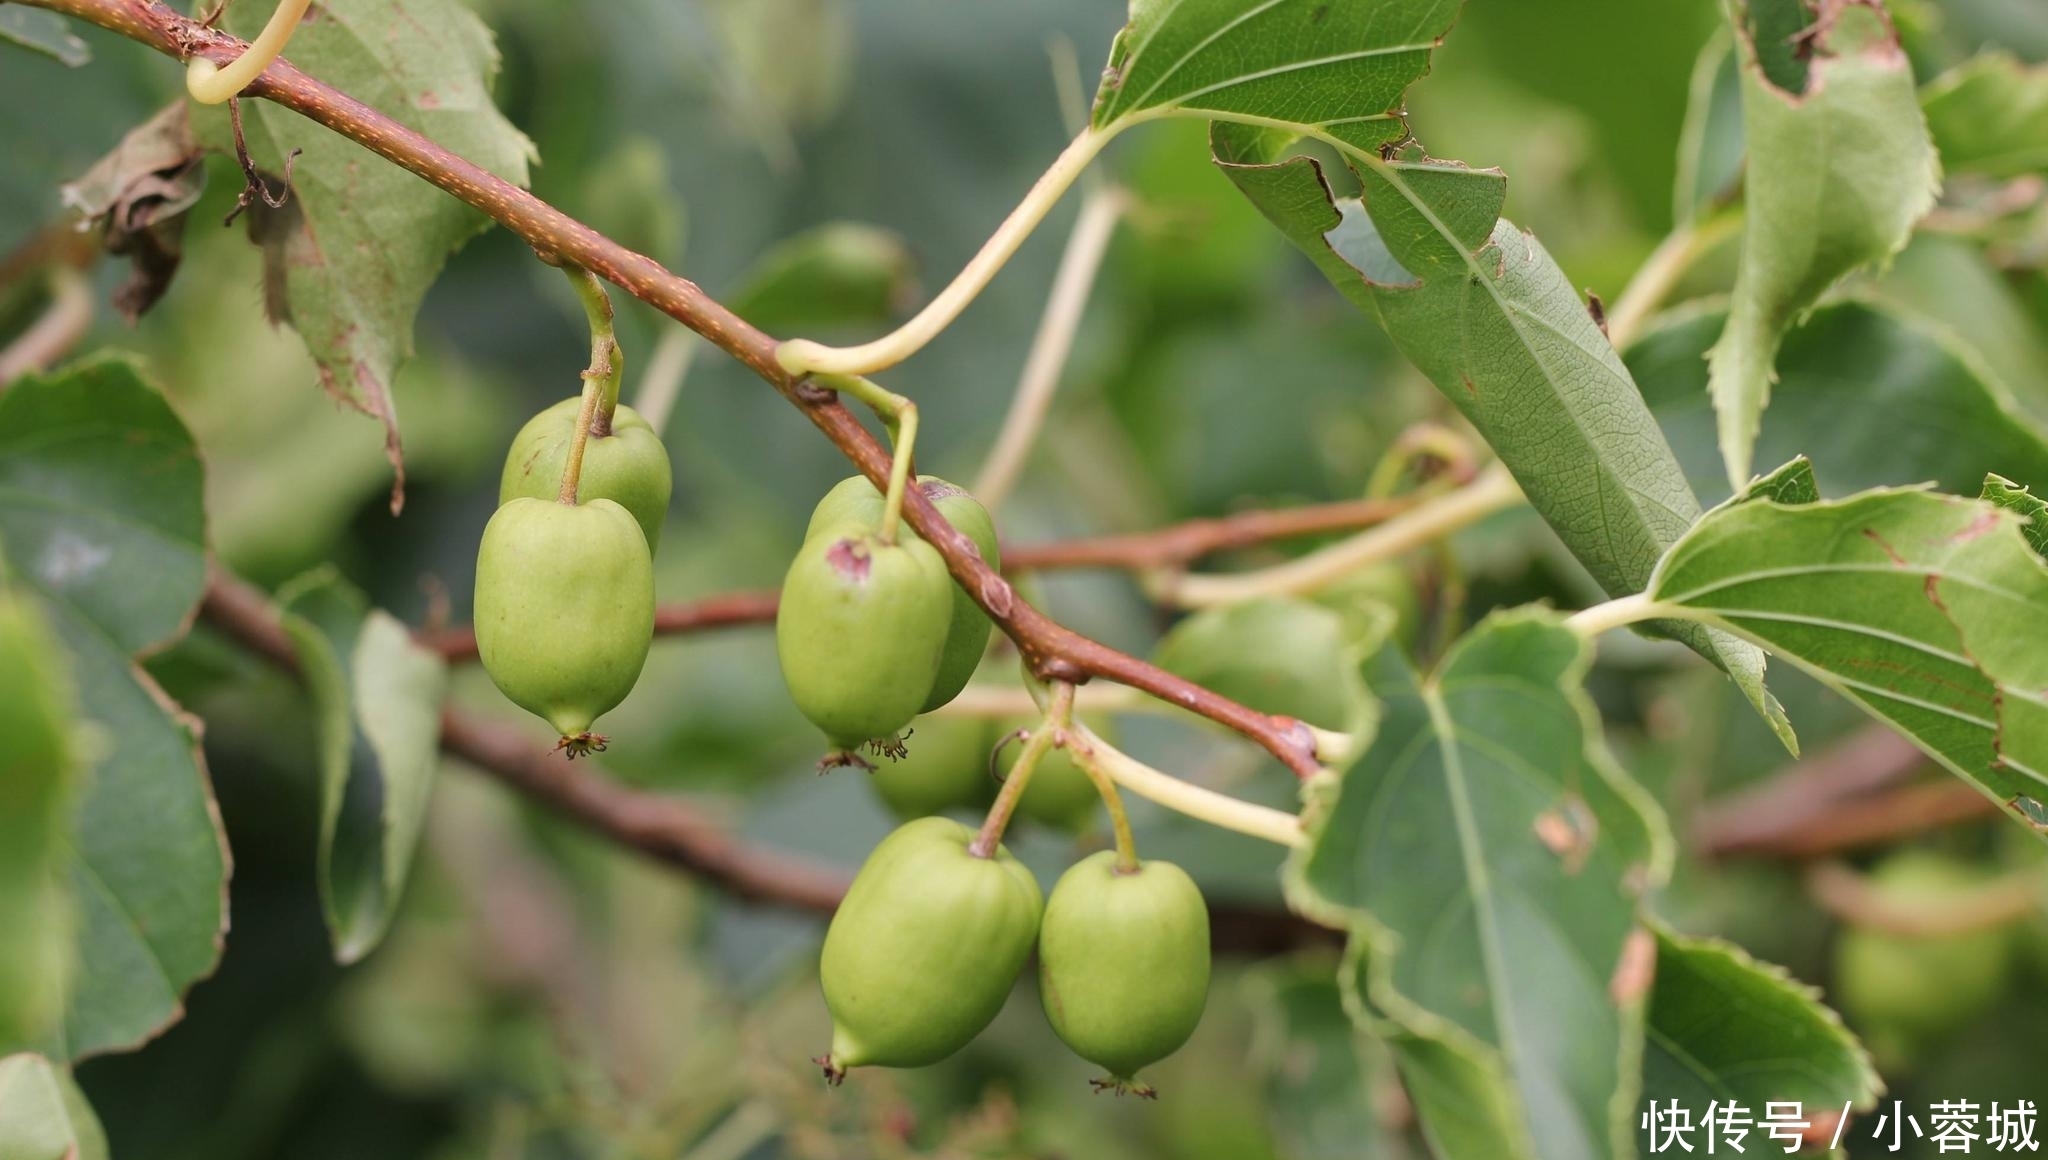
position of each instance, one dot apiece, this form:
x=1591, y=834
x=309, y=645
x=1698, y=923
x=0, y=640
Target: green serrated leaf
x=377, y=696
x=1989, y=115
x=101, y=516
x=1791, y=484
x=1726, y=1029
x=39, y=769
x=1323, y=1076
x=837, y=275
x=1947, y=419
x=43, y=1115
x=1489, y=857
x=1339, y=68
x=45, y=32
x=1839, y=168
x=351, y=256
x=1484, y=311
x=2018, y=500
x=1927, y=610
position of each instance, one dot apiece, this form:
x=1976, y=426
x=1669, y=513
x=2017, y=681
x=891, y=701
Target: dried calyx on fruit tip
x=924, y=948
x=945, y=768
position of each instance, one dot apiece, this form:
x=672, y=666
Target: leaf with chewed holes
x=1488, y=858
x=350, y=257
x=1839, y=167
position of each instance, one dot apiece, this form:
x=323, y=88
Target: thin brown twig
x=1173, y=546
x=1182, y=544
x=1858, y=901
x=1879, y=819
x=667, y=828
x=66, y=320
x=732, y=608
x=670, y=829
x=1812, y=803
x=1053, y=651
x=254, y=187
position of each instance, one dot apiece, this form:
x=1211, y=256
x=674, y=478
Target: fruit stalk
x=600, y=381
x=607, y=361
x=1035, y=748
x=903, y=456
x=897, y=413
x=1119, y=821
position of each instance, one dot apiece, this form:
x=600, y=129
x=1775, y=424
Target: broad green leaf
x=1944, y=418
x=1710, y=143
x=1928, y=610
x=1324, y=1077
x=1727, y=1029
x=1294, y=658
x=1484, y=311
x=1339, y=68
x=377, y=696
x=43, y=1115
x=2014, y=498
x=1489, y=859
x=1523, y=359
x=1839, y=168
x=45, y=32
x=101, y=517
x=39, y=768
x=351, y=256
x=1989, y=115
x=836, y=275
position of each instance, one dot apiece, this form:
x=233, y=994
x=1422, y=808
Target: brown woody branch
x=1852, y=795
x=1182, y=544
x=667, y=828
x=733, y=608
x=1053, y=651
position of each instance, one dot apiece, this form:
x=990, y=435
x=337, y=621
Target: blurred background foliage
x=544, y=995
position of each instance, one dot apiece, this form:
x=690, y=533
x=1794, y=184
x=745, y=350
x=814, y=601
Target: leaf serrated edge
x=1370, y=942
x=2002, y=521
x=1867, y=1076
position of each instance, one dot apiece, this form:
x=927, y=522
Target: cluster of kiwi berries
x=939, y=922
x=871, y=632
x=565, y=573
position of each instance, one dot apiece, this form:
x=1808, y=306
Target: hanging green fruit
x=1123, y=964
x=945, y=768
x=1905, y=993
x=1282, y=656
x=925, y=947
x=564, y=610
x=859, y=632
x=627, y=465
x=855, y=499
